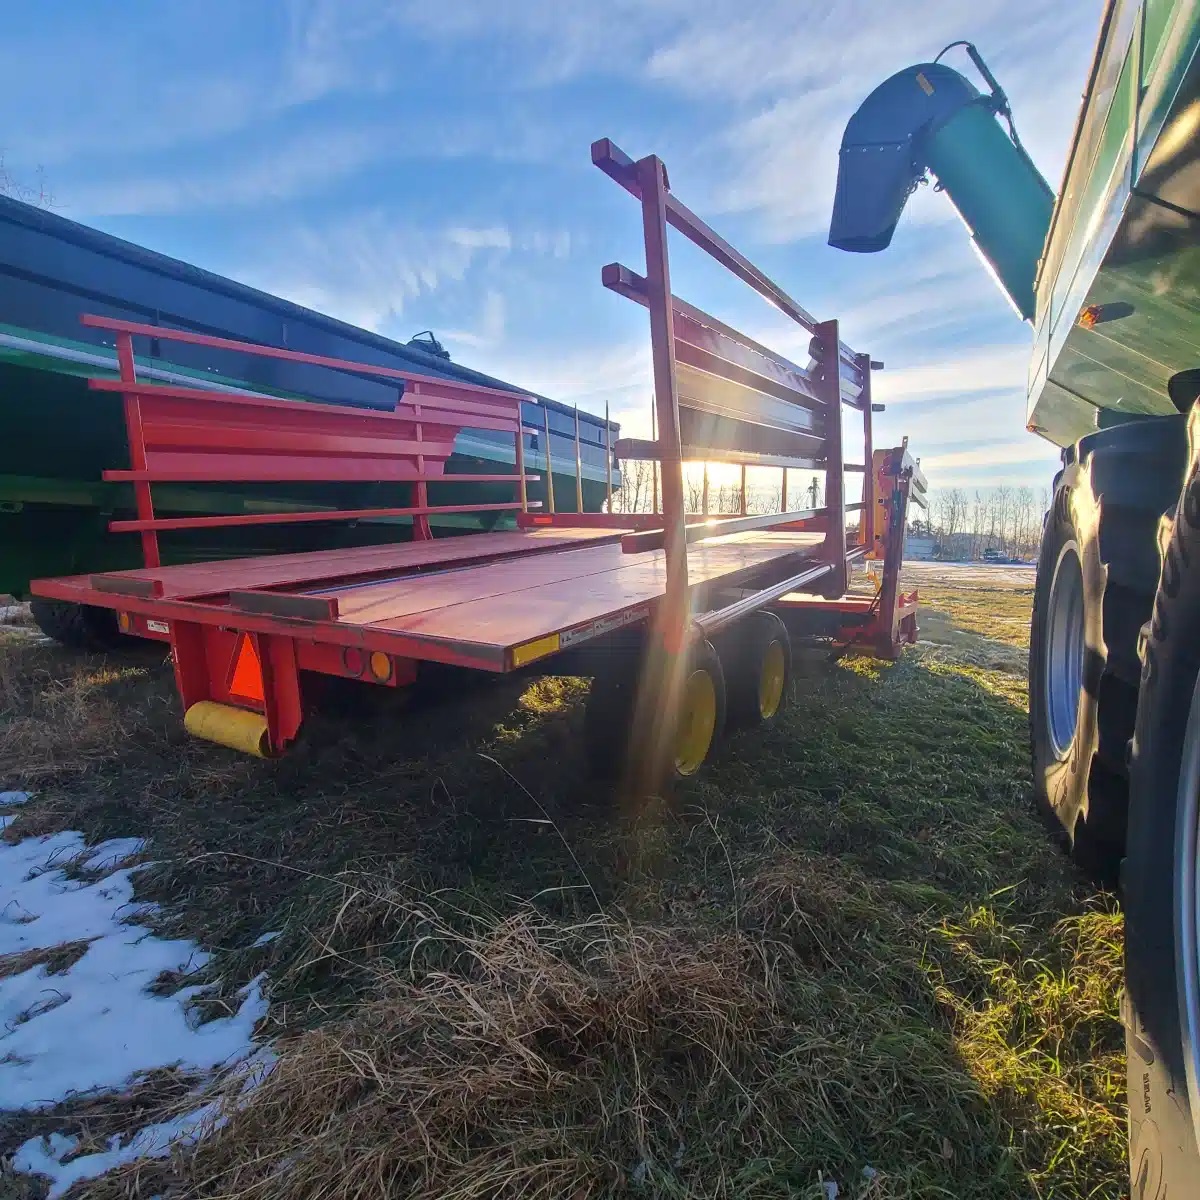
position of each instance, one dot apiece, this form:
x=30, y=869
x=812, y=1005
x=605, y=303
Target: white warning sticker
x=158, y=626
x=585, y=633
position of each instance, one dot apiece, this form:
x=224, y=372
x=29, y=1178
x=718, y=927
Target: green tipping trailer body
x=59, y=436
x=1107, y=272
x=1118, y=285
x=1112, y=291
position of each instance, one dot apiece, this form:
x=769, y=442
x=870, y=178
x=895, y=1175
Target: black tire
x=704, y=659
x=1103, y=524
x=78, y=626
x=744, y=652
x=608, y=716
x=1162, y=992
x=612, y=704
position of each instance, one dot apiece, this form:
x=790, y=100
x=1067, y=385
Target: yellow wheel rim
x=771, y=681
x=697, y=722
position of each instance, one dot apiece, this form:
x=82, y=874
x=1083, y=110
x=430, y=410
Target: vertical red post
x=867, y=523
x=653, y=461
x=137, y=447
x=893, y=552
x=190, y=660
x=520, y=461
x=652, y=182
x=656, y=707
x=282, y=704
x=608, y=458
x=835, y=460
x=421, y=530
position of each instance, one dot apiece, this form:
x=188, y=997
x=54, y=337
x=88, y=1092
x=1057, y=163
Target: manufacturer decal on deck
x=585, y=633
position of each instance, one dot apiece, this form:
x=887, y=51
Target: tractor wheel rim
x=771, y=681
x=1187, y=905
x=1063, y=670
x=697, y=722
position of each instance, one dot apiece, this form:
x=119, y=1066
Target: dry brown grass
x=56, y=959
x=847, y=944
x=61, y=712
x=539, y=1061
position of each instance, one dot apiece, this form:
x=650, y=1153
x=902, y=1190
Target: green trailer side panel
x=55, y=507
x=1124, y=244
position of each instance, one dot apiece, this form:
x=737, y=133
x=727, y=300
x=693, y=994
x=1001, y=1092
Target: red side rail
x=196, y=434
x=720, y=396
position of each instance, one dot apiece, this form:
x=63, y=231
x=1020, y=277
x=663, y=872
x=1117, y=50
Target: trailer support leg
x=259, y=712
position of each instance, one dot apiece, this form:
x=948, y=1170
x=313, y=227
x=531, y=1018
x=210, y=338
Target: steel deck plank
x=386, y=601
x=479, y=613
x=308, y=567
x=602, y=583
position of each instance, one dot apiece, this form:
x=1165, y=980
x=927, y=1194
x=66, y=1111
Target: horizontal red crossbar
x=709, y=527
x=639, y=450
x=619, y=167
x=315, y=360
x=435, y=410
x=276, y=469
x=601, y=520
x=160, y=435
x=707, y=344
x=163, y=524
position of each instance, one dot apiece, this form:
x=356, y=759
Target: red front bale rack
x=685, y=621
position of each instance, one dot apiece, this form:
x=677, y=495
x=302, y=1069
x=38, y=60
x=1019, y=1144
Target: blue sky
x=408, y=166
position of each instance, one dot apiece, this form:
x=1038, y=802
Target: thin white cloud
x=368, y=267
x=371, y=267
x=1027, y=451
x=775, y=84
x=796, y=74
x=975, y=370
x=495, y=237
x=490, y=329
x=300, y=164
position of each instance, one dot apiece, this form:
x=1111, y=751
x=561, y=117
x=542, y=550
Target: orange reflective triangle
x=246, y=681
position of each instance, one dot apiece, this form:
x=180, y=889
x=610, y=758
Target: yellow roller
x=237, y=728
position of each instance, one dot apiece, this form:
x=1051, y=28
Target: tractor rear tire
x=1096, y=578
x=77, y=626
x=1161, y=876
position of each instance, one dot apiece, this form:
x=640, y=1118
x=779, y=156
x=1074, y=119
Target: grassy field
x=845, y=954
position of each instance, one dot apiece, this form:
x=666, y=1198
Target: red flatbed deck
x=248, y=635
x=492, y=600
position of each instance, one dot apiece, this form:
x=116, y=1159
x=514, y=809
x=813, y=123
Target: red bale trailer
x=684, y=620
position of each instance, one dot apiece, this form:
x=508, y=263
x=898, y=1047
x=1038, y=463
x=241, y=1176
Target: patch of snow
x=96, y=1027
x=265, y=939
x=11, y=798
x=44, y=1155
x=112, y=853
